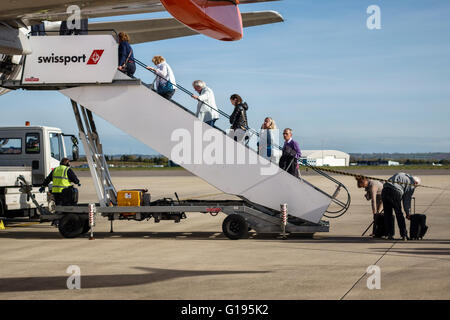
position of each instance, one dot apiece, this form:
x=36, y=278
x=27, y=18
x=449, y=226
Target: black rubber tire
x=306, y=235
x=86, y=226
x=70, y=226
x=235, y=227
x=2, y=209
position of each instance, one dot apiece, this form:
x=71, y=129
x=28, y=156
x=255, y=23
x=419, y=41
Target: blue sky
x=321, y=72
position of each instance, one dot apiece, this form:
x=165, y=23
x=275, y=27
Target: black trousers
x=392, y=201
x=289, y=164
x=64, y=198
x=131, y=69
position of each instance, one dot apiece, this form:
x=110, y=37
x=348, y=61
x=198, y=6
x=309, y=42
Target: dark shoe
x=390, y=238
x=405, y=238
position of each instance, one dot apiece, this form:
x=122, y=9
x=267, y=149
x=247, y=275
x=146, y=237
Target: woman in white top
x=268, y=144
x=165, y=79
x=206, y=107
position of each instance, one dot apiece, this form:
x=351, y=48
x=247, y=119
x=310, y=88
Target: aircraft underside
x=218, y=19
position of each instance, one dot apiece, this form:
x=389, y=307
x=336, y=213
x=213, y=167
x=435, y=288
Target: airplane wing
x=32, y=12
x=218, y=19
x=167, y=28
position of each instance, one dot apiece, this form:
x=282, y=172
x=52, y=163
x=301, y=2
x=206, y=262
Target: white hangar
x=331, y=158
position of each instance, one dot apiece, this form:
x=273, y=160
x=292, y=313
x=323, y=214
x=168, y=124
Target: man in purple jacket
x=291, y=153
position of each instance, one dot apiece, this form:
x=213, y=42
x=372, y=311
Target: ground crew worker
x=62, y=177
x=399, y=188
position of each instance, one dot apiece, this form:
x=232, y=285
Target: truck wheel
x=2, y=208
x=70, y=226
x=235, y=227
x=86, y=227
x=306, y=235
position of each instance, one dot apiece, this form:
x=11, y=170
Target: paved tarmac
x=194, y=260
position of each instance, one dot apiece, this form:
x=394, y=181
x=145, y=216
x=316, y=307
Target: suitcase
x=379, y=228
x=418, y=227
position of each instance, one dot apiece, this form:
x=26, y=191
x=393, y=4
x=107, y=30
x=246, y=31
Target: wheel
x=86, y=227
x=2, y=208
x=70, y=226
x=235, y=227
x=306, y=235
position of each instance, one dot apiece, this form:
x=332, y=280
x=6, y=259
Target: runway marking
x=395, y=242
x=439, y=195
x=215, y=235
x=26, y=224
x=365, y=273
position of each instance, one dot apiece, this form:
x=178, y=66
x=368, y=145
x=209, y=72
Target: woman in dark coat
x=126, y=57
x=238, y=119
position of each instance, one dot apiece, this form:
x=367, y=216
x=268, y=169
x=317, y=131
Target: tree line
x=403, y=161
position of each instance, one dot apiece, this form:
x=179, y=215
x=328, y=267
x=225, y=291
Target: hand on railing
x=250, y=130
x=222, y=113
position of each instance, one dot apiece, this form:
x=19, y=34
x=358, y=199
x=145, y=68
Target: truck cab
x=33, y=151
x=38, y=147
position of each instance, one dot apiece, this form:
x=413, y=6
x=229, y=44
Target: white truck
x=33, y=152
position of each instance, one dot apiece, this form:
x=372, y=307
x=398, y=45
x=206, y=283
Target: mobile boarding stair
x=97, y=87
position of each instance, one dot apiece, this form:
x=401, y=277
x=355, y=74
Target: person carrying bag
x=164, y=83
x=126, y=58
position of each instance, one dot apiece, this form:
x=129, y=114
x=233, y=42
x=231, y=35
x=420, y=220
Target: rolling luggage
x=418, y=227
x=379, y=227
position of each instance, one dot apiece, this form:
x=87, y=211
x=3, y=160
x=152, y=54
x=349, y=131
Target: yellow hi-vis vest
x=60, y=179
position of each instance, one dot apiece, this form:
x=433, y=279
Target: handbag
x=165, y=88
x=125, y=64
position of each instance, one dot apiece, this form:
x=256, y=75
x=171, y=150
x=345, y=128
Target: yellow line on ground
x=27, y=224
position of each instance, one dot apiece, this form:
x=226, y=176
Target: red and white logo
x=95, y=56
x=31, y=79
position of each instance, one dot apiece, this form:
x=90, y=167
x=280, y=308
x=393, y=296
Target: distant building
x=377, y=163
x=320, y=158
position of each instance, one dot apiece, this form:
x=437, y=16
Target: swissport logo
x=31, y=79
x=93, y=59
x=95, y=56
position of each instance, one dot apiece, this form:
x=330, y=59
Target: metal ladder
x=98, y=167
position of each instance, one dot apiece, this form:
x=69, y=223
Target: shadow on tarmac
x=420, y=251
x=150, y=275
x=210, y=235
